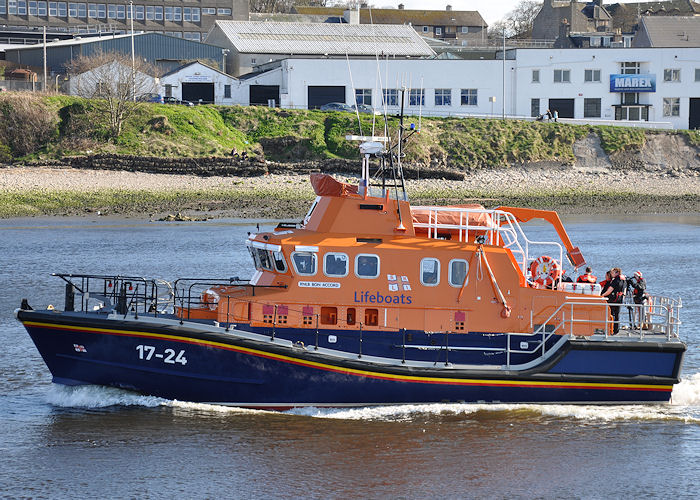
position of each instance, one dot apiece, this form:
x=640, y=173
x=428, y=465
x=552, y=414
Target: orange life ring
x=545, y=270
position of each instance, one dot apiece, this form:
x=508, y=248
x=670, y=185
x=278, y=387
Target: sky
x=490, y=10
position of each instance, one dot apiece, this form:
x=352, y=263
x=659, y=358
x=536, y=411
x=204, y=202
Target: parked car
x=365, y=108
x=335, y=106
x=151, y=97
x=175, y=100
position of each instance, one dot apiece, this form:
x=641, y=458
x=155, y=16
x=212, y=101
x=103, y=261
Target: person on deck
x=615, y=293
x=587, y=277
x=638, y=286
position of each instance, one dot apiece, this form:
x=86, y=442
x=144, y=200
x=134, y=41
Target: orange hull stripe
x=362, y=373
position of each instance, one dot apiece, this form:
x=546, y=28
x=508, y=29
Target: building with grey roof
x=189, y=19
x=165, y=52
x=253, y=43
x=668, y=32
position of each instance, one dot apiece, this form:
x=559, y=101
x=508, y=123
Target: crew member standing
x=638, y=286
x=587, y=277
x=615, y=292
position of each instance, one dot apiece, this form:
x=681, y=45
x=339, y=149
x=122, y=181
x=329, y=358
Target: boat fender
x=545, y=270
x=210, y=298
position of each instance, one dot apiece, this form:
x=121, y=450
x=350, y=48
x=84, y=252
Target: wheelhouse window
x=304, y=263
x=458, y=271
x=335, y=265
x=367, y=265
x=430, y=271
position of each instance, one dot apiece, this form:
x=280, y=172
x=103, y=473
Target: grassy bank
x=73, y=126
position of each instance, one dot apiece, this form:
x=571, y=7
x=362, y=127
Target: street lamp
x=133, y=57
x=224, y=53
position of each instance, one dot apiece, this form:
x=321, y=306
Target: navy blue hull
x=179, y=363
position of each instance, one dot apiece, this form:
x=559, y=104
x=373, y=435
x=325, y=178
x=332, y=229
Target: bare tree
x=518, y=22
x=117, y=84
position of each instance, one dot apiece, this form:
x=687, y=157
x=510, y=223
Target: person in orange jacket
x=587, y=277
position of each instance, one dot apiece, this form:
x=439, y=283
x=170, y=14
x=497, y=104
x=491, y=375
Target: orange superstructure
x=360, y=261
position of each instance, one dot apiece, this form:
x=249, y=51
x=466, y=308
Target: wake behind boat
x=370, y=301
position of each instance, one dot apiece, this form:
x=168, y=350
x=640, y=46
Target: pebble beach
x=675, y=191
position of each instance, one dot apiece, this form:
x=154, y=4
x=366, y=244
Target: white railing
x=658, y=317
x=502, y=230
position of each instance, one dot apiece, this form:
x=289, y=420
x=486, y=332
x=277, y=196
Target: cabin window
x=329, y=315
x=280, y=263
x=430, y=271
x=371, y=317
x=336, y=265
x=268, y=260
x=304, y=263
x=367, y=265
x=458, y=272
x=351, y=315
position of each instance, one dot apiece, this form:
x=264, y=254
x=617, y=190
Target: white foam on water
x=97, y=396
x=687, y=392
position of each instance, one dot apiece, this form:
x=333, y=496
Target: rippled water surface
x=64, y=442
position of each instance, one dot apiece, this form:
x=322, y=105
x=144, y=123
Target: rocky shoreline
x=587, y=188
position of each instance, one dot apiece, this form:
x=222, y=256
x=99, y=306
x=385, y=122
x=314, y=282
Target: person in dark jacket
x=638, y=286
x=615, y=293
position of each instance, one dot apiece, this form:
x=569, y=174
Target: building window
x=443, y=97
x=177, y=13
x=72, y=10
x=101, y=11
x=92, y=10
x=208, y=11
x=630, y=68
x=62, y=9
x=150, y=12
x=468, y=97
x=465, y=29
x=41, y=9
x=21, y=7
x=591, y=108
x=195, y=14
x=121, y=11
x=32, y=7
x=430, y=271
x=82, y=10
x=3, y=7
x=224, y=12
x=458, y=272
x=335, y=264
x=416, y=97
x=367, y=265
x=534, y=107
x=195, y=36
x=672, y=106
x=438, y=31
x=159, y=13
x=168, y=90
x=227, y=91
x=630, y=98
x=426, y=29
x=168, y=13
x=391, y=97
x=53, y=9
x=562, y=76
x=535, y=76
x=697, y=74
x=672, y=75
x=363, y=96
x=186, y=14
x=591, y=75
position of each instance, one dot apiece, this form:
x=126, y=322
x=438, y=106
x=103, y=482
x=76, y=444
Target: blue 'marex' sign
x=633, y=83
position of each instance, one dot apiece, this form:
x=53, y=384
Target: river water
x=63, y=442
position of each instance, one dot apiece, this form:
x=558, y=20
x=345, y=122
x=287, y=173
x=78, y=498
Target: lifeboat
x=370, y=301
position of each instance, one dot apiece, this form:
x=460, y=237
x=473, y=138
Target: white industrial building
x=201, y=84
x=653, y=87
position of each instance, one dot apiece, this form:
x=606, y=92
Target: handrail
x=503, y=230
